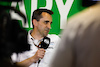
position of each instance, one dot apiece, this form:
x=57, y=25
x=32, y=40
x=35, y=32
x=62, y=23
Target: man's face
x=44, y=24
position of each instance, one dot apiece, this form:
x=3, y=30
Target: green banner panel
x=63, y=9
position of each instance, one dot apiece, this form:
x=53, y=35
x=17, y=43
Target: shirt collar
x=32, y=39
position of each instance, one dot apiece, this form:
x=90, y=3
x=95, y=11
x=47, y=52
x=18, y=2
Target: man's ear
x=34, y=22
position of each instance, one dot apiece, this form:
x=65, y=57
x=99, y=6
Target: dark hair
x=37, y=14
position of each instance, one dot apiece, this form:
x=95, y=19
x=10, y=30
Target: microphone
x=44, y=44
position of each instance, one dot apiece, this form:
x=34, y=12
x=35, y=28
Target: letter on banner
x=63, y=10
x=33, y=7
x=16, y=16
x=48, y=4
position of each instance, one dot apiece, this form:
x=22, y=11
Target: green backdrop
x=63, y=9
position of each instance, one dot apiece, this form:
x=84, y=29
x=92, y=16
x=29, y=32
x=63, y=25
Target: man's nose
x=49, y=25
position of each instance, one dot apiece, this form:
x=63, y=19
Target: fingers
x=42, y=49
x=40, y=53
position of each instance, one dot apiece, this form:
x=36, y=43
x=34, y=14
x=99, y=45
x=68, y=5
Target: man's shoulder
x=29, y=34
x=53, y=37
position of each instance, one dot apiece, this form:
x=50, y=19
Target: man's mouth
x=47, y=30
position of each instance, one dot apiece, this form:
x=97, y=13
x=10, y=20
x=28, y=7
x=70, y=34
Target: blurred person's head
x=80, y=42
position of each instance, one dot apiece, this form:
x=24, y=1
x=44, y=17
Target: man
x=80, y=45
x=41, y=20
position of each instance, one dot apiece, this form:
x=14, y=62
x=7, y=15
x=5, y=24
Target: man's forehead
x=45, y=13
x=46, y=16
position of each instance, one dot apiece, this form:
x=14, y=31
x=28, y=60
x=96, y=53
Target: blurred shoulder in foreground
x=80, y=45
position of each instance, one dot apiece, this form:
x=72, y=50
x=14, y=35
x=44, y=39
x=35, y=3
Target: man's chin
x=45, y=34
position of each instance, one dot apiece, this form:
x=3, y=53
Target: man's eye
x=46, y=22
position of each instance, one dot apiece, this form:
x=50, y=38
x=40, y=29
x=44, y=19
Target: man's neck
x=36, y=36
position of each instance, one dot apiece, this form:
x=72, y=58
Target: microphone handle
x=39, y=60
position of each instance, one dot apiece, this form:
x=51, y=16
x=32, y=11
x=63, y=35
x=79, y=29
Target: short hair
x=37, y=14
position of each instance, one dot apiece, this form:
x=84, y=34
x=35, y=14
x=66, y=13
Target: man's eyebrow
x=48, y=21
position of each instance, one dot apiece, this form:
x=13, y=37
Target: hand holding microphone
x=44, y=44
x=39, y=54
x=41, y=51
